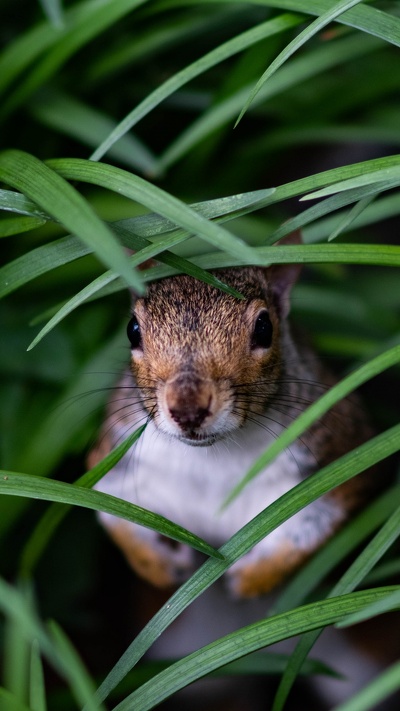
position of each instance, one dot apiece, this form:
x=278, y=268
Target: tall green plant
x=77, y=186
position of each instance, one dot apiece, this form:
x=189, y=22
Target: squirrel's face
x=205, y=361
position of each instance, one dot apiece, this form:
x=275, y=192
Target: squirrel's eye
x=262, y=334
x=133, y=331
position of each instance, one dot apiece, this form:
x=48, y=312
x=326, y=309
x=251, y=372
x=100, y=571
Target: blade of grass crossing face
x=317, y=410
x=327, y=17
x=155, y=199
x=290, y=503
x=131, y=231
x=62, y=201
x=152, y=250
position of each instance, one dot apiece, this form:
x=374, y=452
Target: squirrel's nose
x=189, y=417
x=189, y=401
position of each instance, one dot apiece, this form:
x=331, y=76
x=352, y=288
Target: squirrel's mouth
x=198, y=440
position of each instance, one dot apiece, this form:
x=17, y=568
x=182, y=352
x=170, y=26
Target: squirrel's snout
x=189, y=401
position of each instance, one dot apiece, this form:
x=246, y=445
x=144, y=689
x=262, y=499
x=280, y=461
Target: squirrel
x=217, y=378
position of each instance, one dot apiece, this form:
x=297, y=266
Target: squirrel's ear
x=282, y=277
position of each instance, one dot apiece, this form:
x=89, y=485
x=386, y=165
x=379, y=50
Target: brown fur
x=199, y=378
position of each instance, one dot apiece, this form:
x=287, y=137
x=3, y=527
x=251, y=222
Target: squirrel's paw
x=258, y=573
x=159, y=560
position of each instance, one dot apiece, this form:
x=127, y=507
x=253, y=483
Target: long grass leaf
x=79, y=120
x=316, y=411
x=372, y=178
x=388, y=604
x=36, y=487
x=89, y=24
x=61, y=200
x=244, y=641
x=375, y=692
x=290, y=503
x=331, y=204
x=347, y=583
x=133, y=233
x=47, y=525
x=324, y=19
x=216, y=56
x=80, y=682
x=54, y=11
x=37, y=691
x=336, y=549
x=18, y=225
x=9, y=702
x=301, y=69
x=364, y=17
x=155, y=199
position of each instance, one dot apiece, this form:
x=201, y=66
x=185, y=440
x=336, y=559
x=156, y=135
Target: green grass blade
x=317, y=410
x=155, y=199
x=9, y=702
x=152, y=250
x=301, y=69
x=131, y=231
x=37, y=690
x=47, y=525
x=244, y=641
x=36, y=487
x=80, y=682
x=14, y=605
x=95, y=18
x=347, y=583
x=364, y=17
x=383, y=255
x=54, y=11
x=62, y=201
x=388, y=604
x=294, y=45
x=375, y=177
x=374, y=693
x=17, y=225
x=348, y=220
x=15, y=202
x=331, y=204
x=80, y=121
x=263, y=524
x=216, y=56
x=336, y=550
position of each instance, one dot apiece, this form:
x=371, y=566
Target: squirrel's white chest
x=189, y=484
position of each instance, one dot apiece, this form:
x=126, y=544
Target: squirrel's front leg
x=257, y=573
x=278, y=555
x=161, y=561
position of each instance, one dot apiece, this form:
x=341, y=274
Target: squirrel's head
x=205, y=361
